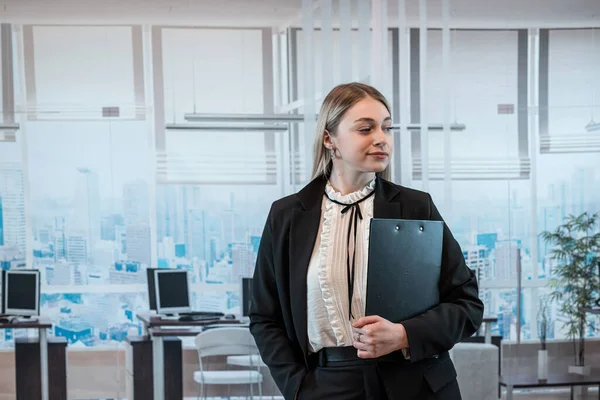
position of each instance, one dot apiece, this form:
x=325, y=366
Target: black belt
x=347, y=356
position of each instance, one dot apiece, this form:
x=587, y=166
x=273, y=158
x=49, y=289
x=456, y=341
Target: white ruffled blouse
x=327, y=284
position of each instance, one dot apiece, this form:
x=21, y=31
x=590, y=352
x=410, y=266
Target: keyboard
x=202, y=314
x=199, y=318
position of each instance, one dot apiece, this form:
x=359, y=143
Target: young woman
x=308, y=311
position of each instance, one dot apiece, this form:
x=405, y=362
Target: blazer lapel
x=386, y=204
x=303, y=234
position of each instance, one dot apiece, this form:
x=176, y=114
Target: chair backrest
x=225, y=341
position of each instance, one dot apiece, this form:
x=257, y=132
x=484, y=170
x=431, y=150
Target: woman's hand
x=375, y=336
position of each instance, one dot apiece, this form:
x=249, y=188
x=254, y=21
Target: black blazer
x=278, y=315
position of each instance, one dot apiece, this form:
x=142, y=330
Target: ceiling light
x=592, y=126
x=224, y=128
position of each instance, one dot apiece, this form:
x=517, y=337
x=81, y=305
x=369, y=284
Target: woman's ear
x=327, y=142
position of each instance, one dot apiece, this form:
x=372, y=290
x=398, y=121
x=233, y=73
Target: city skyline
x=87, y=243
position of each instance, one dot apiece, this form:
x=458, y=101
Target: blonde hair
x=336, y=103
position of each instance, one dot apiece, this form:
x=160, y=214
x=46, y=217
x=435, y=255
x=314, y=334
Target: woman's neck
x=348, y=183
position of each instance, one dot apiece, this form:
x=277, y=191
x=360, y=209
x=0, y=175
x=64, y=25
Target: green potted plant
x=574, y=282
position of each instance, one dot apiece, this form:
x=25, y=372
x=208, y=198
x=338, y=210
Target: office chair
x=227, y=341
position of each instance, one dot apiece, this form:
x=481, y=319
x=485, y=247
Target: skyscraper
x=507, y=259
x=488, y=240
x=77, y=249
x=138, y=243
x=13, y=207
x=242, y=261
x=197, y=235
x=171, y=213
x=1, y=225
x=135, y=202
x=87, y=206
x=476, y=259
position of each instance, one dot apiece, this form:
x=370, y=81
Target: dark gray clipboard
x=405, y=258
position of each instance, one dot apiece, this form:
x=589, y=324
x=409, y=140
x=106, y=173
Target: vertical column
x=423, y=102
x=150, y=107
x=447, y=110
x=158, y=371
x=327, y=46
x=364, y=33
x=533, y=113
x=8, y=90
x=269, y=102
x=44, y=363
x=346, y=58
x=23, y=41
x=309, y=85
x=404, y=138
x=379, y=41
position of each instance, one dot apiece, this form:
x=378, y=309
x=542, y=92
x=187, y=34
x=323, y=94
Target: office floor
x=524, y=395
x=556, y=396
x=550, y=395
x=217, y=398
x=517, y=396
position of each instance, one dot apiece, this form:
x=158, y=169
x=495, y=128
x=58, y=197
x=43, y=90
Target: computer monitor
x=171, y=291
x=246, y=296
x=21, y=292
x=151, y=288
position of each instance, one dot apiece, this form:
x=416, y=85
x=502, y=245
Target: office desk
x=139, y=379
x=553, y=381
x=27, y=368
x=159, y=328
x=41, y=324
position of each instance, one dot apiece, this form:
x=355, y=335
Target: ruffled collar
x=350, y=197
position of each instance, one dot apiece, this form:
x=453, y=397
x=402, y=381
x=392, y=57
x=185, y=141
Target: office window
x=90, y=218
x=12, y=204
x=83, y=72
x=213, y=231
x=569, y=90
x=88, y=171
x=338, y=58
x=483, y=74
x=567, y=185
x=13, y=232
x=94, y=319
x=491, y=222
x=487, y=93
x=215, y=185
x=214, y=72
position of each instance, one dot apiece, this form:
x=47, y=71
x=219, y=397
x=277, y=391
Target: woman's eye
x=365, y=130
x=387, y=128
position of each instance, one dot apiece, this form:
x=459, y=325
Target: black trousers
x=343, y=382
x=338, y=374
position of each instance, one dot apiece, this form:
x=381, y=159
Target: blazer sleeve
x=460, y=312
x=266, y=322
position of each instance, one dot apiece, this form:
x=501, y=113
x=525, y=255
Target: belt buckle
x=322, y=360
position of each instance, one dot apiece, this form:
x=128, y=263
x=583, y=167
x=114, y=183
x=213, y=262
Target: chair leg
x=199, y=391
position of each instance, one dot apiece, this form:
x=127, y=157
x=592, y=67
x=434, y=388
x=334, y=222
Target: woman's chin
x=376, y=167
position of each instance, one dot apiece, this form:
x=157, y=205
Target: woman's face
x=364, y=139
